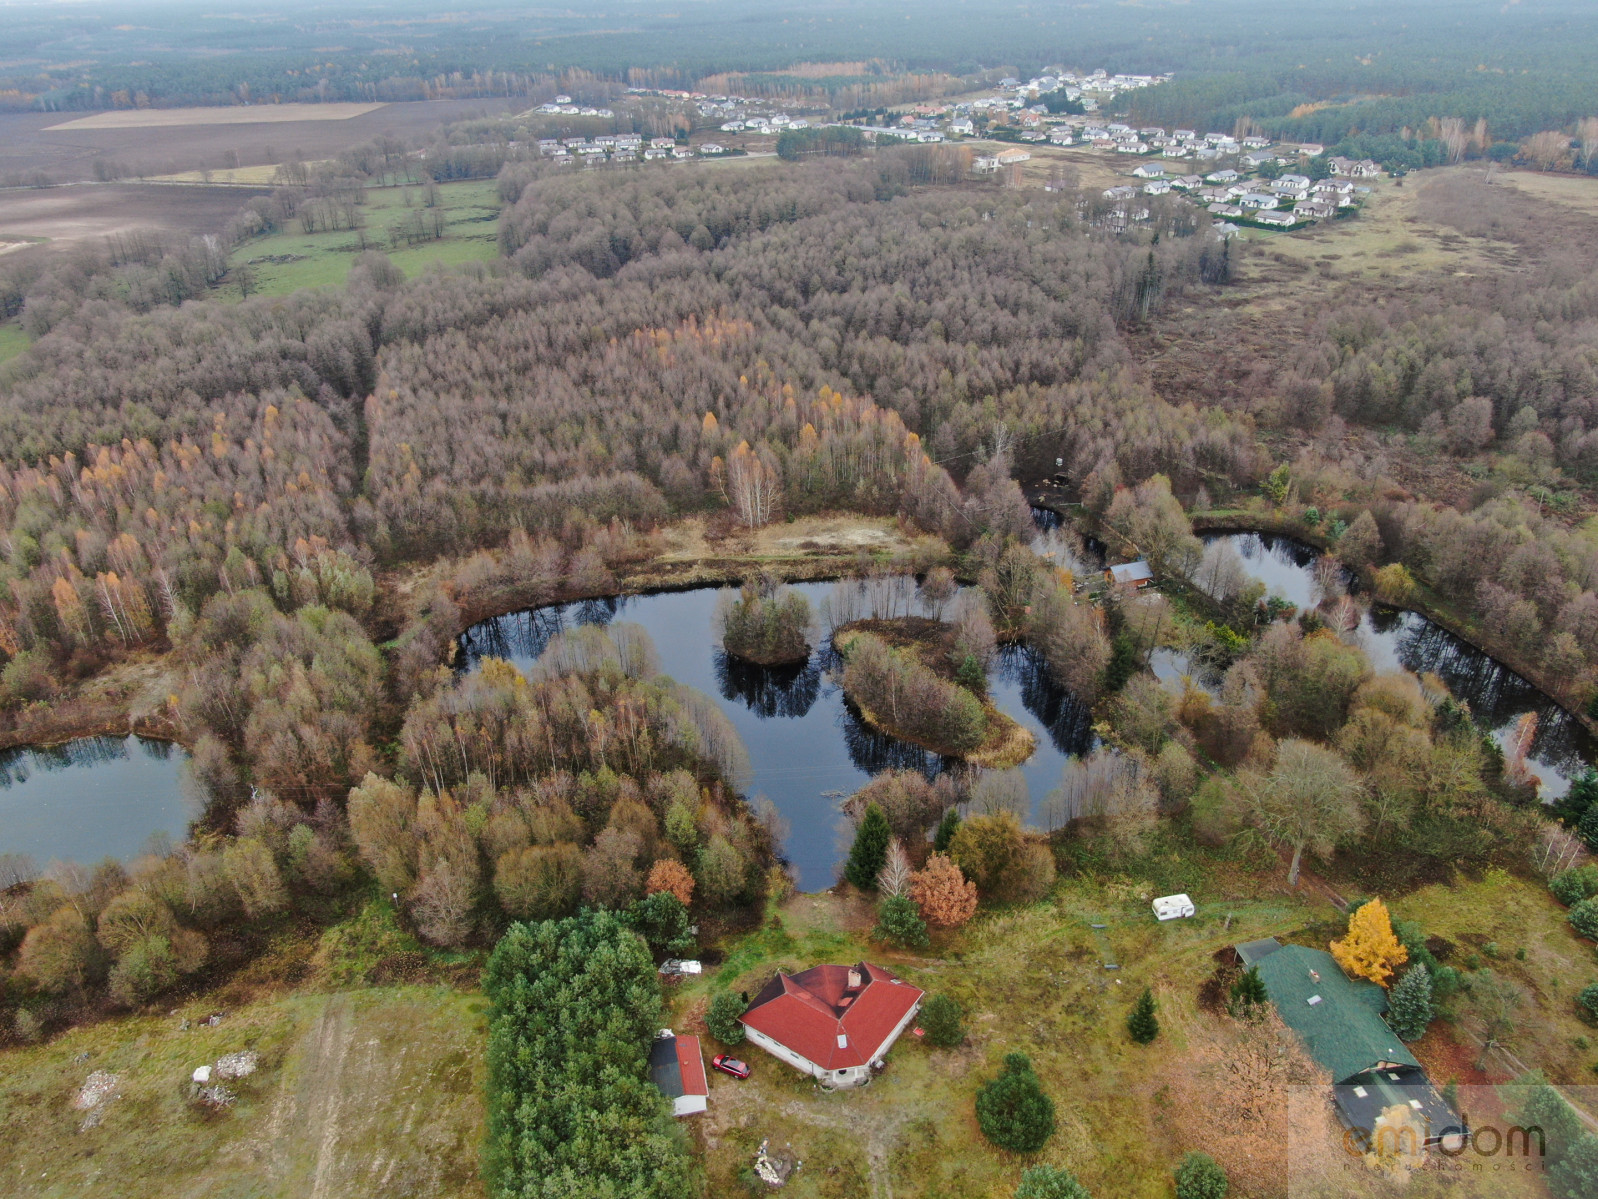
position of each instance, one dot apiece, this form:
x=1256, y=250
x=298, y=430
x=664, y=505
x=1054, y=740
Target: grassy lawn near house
x=12, y=340
x=1490, y=921
x=287, y=261
x=365, y=1092
x=1033, y=979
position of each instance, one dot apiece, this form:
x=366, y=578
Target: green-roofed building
x=1339, y=1019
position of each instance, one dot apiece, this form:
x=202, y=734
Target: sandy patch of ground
x=256, y=114
x=686, y=540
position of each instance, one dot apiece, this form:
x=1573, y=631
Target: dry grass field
x=371, y=1092
x=255, y=114
x=1033, y=979
x=1572, y=191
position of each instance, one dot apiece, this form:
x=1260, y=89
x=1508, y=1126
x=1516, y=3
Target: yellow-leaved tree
x=1370, y=950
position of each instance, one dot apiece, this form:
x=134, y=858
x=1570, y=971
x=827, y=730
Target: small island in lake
x=913, y=679
x=764, y=623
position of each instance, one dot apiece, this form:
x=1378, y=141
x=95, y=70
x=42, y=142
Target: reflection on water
x=1174, y=668
x=94, y=797
x=1065, y=718
x=769, y=691
x=807, y=746
x=1395, y=639
x=1285, y=566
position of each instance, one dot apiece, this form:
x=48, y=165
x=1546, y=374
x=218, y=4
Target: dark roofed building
x=1339, y=1019
x=676, y=1067
x=832, y=1022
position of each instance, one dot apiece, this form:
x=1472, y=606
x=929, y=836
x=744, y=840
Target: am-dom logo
x=1367, y=1140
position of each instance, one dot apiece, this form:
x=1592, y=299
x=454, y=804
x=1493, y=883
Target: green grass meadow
x=12, y=340
x=287, y=261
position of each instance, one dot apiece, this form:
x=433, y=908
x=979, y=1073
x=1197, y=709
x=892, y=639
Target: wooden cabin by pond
x=1133, y=576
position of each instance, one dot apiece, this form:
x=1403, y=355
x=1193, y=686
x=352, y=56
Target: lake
x=93, y=798
x=808, y=748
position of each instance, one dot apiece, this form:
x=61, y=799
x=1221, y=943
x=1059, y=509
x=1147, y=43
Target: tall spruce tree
x=1012, y=1110
x=1142, y=1023
x=1409, y=1006
x=870, y=849
x=947, y=827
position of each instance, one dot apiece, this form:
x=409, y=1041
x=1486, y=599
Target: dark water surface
x=93, y=798
x=807, y=747
x=1394, y=639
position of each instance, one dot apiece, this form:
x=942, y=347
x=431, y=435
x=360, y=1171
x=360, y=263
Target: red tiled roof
x=692, y=1066
x=810, y=1011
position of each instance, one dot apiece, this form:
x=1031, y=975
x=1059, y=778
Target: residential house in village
x=1278, y=219
x=1149, y=170
x=1365, y=168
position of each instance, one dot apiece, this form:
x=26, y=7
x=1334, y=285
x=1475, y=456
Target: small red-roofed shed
x=832, y=1022
x=678, y=1070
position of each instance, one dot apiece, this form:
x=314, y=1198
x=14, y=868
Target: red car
x=730, y=1065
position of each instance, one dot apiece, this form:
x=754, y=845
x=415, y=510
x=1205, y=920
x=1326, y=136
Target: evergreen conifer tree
x=1142, y=1023
x=870, y=849
x=1199, y=1177
x=1588, y=828
x=1013, y=1111
x=947, y=827
x=1050, y=1182
x=1409, y=1006
x=1248, y=995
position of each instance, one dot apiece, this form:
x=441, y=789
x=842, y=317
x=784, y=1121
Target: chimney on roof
x=854, y=980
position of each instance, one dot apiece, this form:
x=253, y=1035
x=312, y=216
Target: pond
x=94, y=798
x=1395, y=639
x=808, y=748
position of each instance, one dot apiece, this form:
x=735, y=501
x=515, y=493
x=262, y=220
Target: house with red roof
x=676, y=1067
x=832, y=1022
